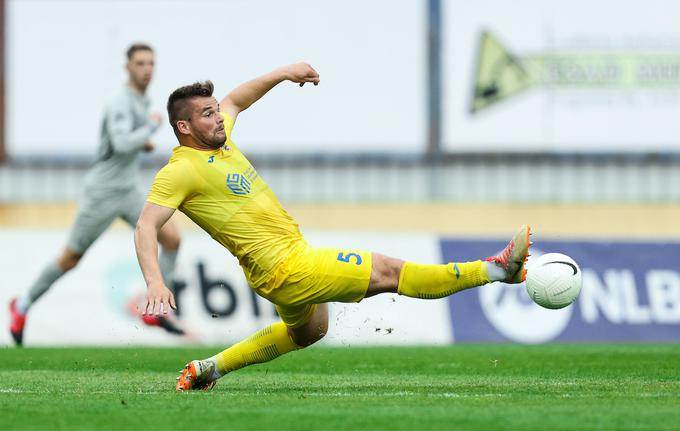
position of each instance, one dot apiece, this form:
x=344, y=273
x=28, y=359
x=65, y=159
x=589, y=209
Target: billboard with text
x=549, y=75
x=631, y=292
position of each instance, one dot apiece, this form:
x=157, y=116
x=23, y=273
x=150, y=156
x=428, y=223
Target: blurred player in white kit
x=111, y=190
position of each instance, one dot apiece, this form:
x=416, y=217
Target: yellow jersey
x=222, y=193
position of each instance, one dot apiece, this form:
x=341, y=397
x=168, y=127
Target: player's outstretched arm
x=159, y=299
x=250, y=92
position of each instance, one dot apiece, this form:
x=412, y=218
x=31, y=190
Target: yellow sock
x=264, y=345
x=438, y=281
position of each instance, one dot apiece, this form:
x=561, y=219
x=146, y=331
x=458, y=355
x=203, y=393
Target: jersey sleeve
x=171, y=186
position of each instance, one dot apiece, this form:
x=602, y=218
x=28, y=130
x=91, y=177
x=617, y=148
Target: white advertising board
x=66, y=57
x=549, y=75
x=92, y=305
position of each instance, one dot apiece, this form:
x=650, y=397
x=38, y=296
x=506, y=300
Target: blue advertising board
x=631, y=292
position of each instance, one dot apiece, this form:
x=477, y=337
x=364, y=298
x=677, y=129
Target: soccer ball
x=553, y=280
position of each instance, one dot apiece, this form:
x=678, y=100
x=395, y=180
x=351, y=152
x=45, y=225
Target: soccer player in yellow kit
x=211, y=181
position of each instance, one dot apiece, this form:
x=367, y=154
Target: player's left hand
x=302, y=73
x=158, y=300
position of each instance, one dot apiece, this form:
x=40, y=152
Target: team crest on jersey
x=240, y=184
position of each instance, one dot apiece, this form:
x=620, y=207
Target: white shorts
x=96, y=212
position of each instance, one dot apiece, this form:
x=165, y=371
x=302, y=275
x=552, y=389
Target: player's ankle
x=216, y=373
x=22, y=305
x=495, y=271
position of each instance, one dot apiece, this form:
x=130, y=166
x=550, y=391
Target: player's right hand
x=302, y=73
x=156, y=118
x=158, y=300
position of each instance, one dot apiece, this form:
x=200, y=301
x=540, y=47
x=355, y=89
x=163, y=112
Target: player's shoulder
x=177, y=174
x=178, y=161
x=118, y=100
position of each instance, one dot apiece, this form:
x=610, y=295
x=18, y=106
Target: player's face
x=140, y=68
x=207, y=125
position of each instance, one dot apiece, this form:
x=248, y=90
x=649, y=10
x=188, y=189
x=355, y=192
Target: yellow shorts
x=316, y=276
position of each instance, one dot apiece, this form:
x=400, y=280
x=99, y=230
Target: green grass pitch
x=475, y=387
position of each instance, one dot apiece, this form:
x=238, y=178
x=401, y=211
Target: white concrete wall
x=65, y=57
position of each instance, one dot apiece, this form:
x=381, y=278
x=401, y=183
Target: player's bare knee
x=318, y=325
x=68, y=260
x=314, y=330
x=309, y=335
x=394, y=271
x=169, y=237
x=170, y=242
x=302, y=337
x=385, y=272
x=321, y=329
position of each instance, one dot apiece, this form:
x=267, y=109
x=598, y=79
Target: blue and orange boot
x=197, y=375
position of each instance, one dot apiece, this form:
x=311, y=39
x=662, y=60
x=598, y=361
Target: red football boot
x=18, y=321
x=162, y=322
x=514, y=257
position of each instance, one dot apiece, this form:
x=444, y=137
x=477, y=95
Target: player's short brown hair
x=137, y=47
x=178, y=106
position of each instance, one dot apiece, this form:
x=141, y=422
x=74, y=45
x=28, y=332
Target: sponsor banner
x=631, y=292
x=542, y=75
x=95, y=303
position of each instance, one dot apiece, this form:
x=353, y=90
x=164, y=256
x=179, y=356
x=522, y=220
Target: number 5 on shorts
x=345, y=258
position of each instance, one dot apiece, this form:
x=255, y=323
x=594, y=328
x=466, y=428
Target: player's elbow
x=122, y=145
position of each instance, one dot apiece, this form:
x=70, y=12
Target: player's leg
x=314, y=276
x=437, y=281
x=18, y=307
x=300, y=327
x=66, y=261
x=93, y=218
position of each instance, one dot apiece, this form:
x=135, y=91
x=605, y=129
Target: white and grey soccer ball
x=553, y=280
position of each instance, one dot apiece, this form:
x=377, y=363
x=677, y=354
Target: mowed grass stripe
x=458, y=387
